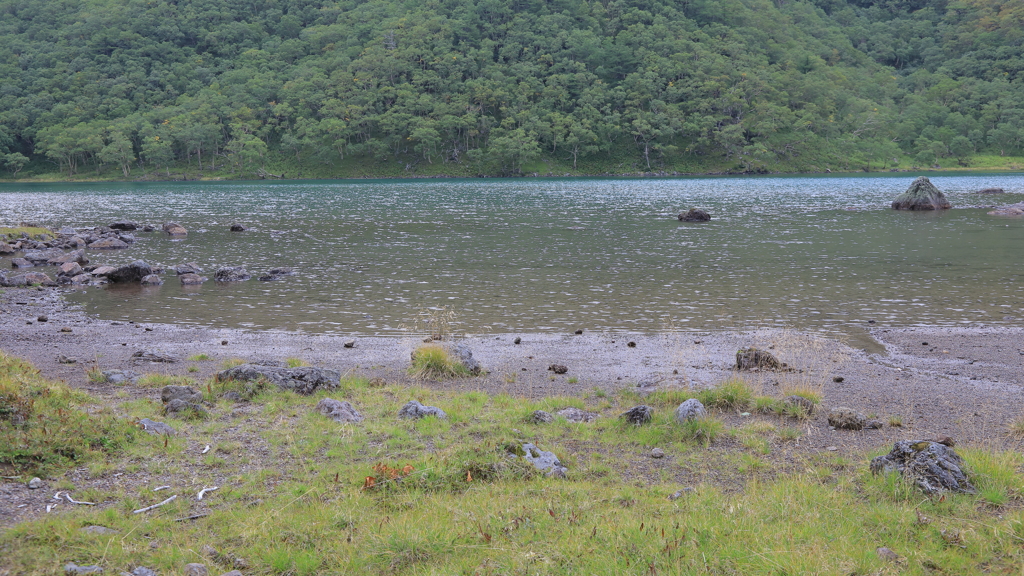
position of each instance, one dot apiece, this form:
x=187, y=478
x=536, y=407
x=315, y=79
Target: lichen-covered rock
x=576, y=415
x=175, y=229
x=638, y=415
x=187, y=268
x=541, y=417
x=156, y=428
x=691, y=409
x=843, y=418
x=338, y=410
x=303, y=380
x=931, y=466
x=182, y=409
x=922, y=195
x=543, y=460
x=694, y=215
x=415, y=410
x=152, y=280
x=186, y=393
x=558, y=368
x=756, y=359
x=154, y=356
x=802, y=402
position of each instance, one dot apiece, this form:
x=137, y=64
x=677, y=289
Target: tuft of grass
x=573, y=380
x=94, y=374
x=433, y=361
x=231, y=363
x=193, y=369
x=295, y=362
x=42, y=426
x=896, y=421
x=733, y=394
x=161, y=380
x=31, y=231
x=811, y=393
x=199, y=357
x=702, y=430
x=1016, y=428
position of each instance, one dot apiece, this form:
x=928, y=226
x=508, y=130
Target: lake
x=375, y=256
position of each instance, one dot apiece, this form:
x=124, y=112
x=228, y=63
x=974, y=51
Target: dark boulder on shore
x=694, y=215
x=133, y=272
x=922, y=195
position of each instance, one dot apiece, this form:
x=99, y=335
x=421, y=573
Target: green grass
x=43, y=427
x=199, y=357
x=733, y=394
x=32, y=231
x=300, y=494
x=433, y=361
x=295, y=362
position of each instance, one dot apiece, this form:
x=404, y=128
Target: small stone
x=223, y=342
x=65, y=329
x=102, y=530
x=638, y=415
x=558, y=368
x=236, y=227
x=339, y=411
x=576, y=415
x=71, y=568
x=517, y=340
x=886, y=554
x=43, y=318
x=541, y=417
x=805, y=403
x=415, y=410
x=657, y=453
x=694, y=215
x=578, y=332
x=151, y=280
x=232, y=573
x=143, y=571
x=631, y=344
x=155, y=428
x=350, y=343
x=691, y=409
x=192, y=279
x=35, y=483
x=837, y=378
x=196, y=569
x=845, y=418
x=756, y=359
x=832, y=448
x=62, y=359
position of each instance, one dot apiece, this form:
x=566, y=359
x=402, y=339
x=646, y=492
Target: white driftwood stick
x=204, y=491
x=148, y=508
x=69, y=499
x=159, y=488
x=49, y=507
x=57, y=495
x=207, y=449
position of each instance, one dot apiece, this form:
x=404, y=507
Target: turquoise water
x=820, y=253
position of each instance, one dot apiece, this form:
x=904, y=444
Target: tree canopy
x=489, y=86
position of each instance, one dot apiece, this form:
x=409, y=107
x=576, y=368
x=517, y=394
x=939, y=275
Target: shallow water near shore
x=536, y=255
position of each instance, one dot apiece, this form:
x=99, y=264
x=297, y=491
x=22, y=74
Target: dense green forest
x=328, y=88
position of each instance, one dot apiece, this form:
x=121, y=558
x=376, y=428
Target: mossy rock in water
x=922, y=195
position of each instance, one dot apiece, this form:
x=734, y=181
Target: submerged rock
x=232, y=274
x=694, y=215
x=931, y=466
x=1011, y=210
x=175, y=229
x=922, y=195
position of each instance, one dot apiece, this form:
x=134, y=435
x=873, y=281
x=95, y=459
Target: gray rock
x=21, y=263
x=691, y=409
x=517, y=340
x=694, y=215
x=991, y=191
x=186, y=393
x=102, y=530
x=72, y=568
x=191, y=279
x=28, y=278
x=196, y=569
x=37, y=257
x=232, y=274
x=465, y=356
x=143, y=571
x=69, y=269
x=339, y=411
x=108, y=244
x=67, y=231
x=76, y=256
x=236, y=227
x=1011, y=210
x=843, y=418
x=175, y=229
x=277, y=273
x=133, y=272
x=81, y=279
x=154, y=356
x=657, y=453
x=182, y=409
x=638, y=415
x=103, y=270
x=804, y=403
x=156, y=428
x=756, y=359
x=541, y=417
x=415, y=410
x=576, y=415
x=119, y=376
x=922, y=195
x=62, y=359
x=303, y=380
x=152, y=280
x=930, y=466
x=187, y=268
x=126, y=225
x=349, y=344
x=543, y=460
x=35, y=484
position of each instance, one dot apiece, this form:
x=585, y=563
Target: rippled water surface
x=554, y=255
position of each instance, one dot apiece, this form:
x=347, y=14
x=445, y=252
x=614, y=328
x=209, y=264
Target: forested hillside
x=162, y=88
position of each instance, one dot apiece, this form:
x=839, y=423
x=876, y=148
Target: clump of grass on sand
x=14, y=232
x=435, y=362
x=300, y=494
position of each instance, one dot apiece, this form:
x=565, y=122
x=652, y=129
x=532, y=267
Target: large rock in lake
x=694, y=215
x=232, y=274
x=175, y=229
x=302, y=380
x=133, y=272
x=922, y=195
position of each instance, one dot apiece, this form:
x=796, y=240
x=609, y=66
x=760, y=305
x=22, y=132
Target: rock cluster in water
x=922, y=195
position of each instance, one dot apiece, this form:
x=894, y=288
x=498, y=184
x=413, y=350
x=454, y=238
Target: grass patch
x=35, y=232
x=433, y=361
x=295, y=362
x=733, y=394
x=161, y=380
x=42, y=425
x=231, y=363
x=199, y=357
